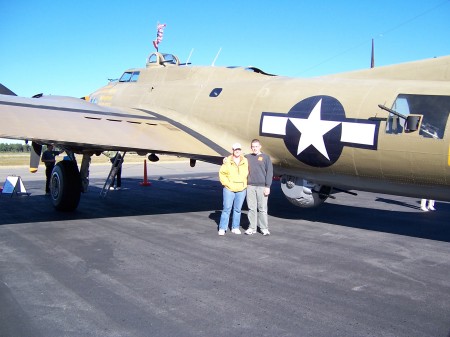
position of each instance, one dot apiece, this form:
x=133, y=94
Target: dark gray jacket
x=260, y=170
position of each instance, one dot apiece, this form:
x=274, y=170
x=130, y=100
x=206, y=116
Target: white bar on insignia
x=274, y=125
x=358, y=133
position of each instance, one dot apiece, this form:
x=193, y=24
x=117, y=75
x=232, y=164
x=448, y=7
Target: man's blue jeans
x=231, y=200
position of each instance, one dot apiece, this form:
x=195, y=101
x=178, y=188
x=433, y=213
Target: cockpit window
x=129, y=76
x=125, y=77
x=434, y=109
x=134, y=76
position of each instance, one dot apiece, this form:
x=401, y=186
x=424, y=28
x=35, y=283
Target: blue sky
x=72, y=47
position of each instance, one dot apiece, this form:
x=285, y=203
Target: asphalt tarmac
x=147, y=261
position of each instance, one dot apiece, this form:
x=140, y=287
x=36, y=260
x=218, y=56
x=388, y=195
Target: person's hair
x=255, y=141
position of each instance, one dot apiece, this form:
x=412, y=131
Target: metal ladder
x=112, y=173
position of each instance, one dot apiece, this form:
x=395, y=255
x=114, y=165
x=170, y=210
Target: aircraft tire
x=65, y=186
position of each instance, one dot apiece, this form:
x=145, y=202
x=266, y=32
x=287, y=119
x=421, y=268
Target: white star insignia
x=313, y=129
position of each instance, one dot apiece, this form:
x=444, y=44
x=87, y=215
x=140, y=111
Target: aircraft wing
x=80, y=125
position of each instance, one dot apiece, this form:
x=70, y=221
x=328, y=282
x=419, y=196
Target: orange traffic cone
x=145, y=182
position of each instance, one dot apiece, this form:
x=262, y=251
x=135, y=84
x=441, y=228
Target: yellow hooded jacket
x=232, y=176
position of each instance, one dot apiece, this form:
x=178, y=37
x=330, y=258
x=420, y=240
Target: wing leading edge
x=81, y=125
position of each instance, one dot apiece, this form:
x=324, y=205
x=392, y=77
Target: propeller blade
x=35, y=156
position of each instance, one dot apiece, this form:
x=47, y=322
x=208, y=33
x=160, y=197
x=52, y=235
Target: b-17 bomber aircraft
x=383, y=129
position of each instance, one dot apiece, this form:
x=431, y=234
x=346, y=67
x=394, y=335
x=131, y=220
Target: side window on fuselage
x=434, y=109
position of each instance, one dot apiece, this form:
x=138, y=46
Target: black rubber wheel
x=65, y=186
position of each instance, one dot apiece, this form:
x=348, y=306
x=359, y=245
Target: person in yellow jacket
x=233, y=176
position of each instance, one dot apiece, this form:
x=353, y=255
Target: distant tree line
x=14, y=147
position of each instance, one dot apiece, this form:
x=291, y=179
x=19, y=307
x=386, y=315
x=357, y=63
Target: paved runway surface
x=147, y=261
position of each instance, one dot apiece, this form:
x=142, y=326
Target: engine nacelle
x=303, y=193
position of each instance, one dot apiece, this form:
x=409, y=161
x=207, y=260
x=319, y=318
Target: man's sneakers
x=265, y=232
x=250, y=231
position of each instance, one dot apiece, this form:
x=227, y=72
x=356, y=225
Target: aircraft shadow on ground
x=178, y=195
x=427, y=225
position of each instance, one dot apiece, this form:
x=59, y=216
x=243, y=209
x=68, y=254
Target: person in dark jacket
x=117, y=161
x=258, y=188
